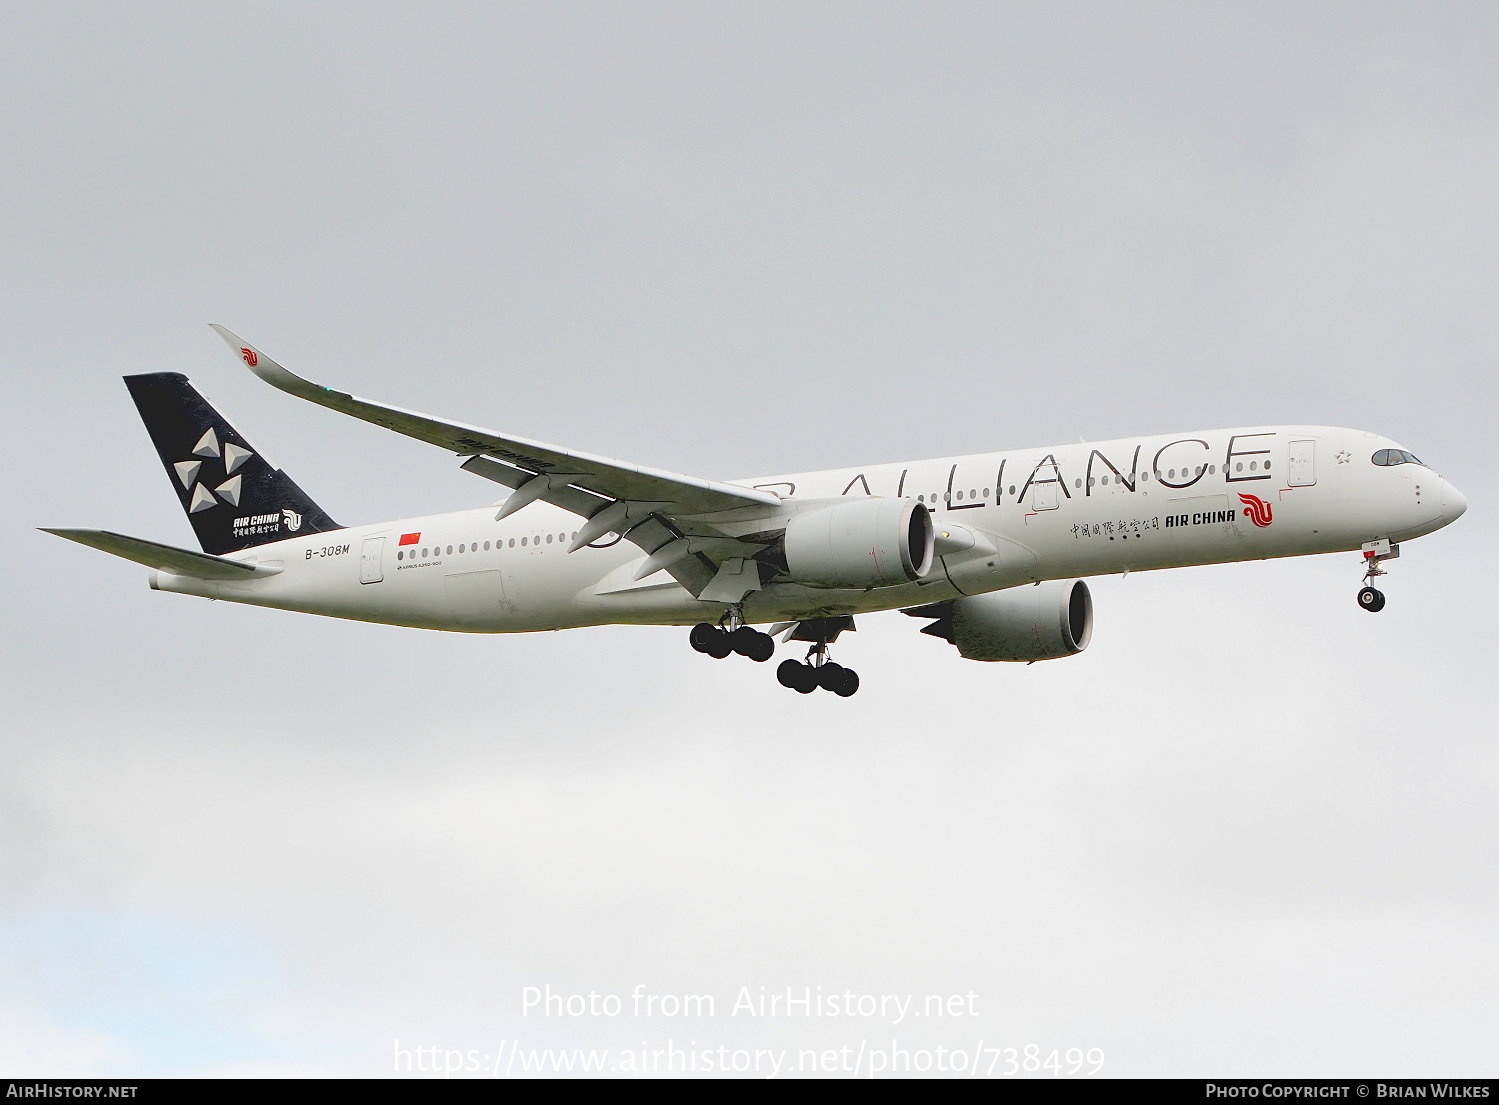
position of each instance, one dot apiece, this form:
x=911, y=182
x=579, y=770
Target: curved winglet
x=271, y=372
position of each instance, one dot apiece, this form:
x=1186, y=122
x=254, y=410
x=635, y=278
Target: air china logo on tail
x=250, y=357
x=1257, y=509
x=292, y=519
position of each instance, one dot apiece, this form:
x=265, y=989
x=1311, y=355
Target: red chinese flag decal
x=410, y=538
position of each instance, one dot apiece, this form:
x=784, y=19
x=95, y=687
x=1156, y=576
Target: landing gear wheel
x=702, y=636
x=1371, y=600
x=830, y=675
x=761, y=649
x=753, y=644
x=797, y=676
x=719, y=645
x=848, y=683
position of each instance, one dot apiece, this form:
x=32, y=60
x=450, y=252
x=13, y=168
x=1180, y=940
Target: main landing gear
x=1370, y=598
x=818, y=671
x=718, y=642
x=732, y=635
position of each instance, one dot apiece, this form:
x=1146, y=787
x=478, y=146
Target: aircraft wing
x=610, y=478
x=646, y=505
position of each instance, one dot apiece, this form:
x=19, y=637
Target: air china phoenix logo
x=291, y=519
x=1257, y=509
x=251, y=357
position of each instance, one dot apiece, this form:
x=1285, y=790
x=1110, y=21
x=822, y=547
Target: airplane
x=992, y=549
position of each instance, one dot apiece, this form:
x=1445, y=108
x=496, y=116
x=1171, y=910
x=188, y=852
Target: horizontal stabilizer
x=164, y=558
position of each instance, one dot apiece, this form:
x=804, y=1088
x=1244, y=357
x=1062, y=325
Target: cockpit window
x=1387, y=457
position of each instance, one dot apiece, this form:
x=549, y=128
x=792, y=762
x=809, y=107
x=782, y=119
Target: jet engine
x=1043, y=622
x=860, y=543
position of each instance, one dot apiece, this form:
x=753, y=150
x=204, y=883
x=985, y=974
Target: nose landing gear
x=1370, y=598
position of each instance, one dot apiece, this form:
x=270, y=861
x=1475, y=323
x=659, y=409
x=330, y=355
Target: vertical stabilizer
x=233, y=496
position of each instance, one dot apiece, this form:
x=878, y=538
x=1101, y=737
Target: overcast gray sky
x=1250, y=832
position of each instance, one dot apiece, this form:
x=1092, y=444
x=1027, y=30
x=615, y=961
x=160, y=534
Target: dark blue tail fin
x=232, y=495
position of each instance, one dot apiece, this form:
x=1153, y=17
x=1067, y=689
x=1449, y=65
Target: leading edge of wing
x=602, y=475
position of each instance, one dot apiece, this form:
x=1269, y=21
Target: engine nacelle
x=1043, y=622
x=860, y=543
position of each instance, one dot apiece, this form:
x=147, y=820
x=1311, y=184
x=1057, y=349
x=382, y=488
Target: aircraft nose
x=1456, y=504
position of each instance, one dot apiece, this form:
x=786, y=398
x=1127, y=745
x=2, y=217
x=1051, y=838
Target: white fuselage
x=1003, y=519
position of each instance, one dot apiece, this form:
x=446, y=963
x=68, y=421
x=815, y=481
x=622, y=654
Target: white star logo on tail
x=233, y=457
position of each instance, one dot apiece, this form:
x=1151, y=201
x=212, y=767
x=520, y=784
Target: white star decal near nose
x=1344, y=457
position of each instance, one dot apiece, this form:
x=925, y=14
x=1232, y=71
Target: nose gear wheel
x=1370, y=598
